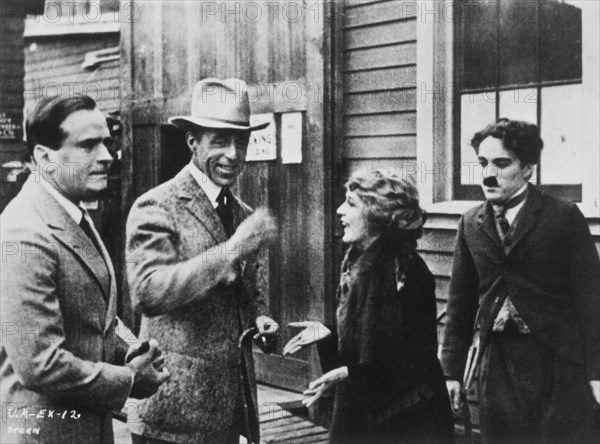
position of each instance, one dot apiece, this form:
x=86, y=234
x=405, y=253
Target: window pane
x=518, y=42
x=519, y=104
x=560, y=41
x=479, y=21
x=561, y=131
x=476, y=112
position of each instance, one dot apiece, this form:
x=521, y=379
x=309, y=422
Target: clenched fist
x=255, y=231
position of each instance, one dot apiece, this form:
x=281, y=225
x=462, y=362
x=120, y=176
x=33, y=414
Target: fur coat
x=388, y=339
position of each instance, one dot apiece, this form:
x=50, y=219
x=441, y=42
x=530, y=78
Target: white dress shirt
x=511, y=213
x=211, y=189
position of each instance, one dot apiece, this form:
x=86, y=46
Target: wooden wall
x=379, y=78
x=53, y=65
x=172, y=45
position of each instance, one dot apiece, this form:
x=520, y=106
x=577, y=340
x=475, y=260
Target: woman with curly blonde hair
x=386, y=376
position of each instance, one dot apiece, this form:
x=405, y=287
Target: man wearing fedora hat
x=192, y=271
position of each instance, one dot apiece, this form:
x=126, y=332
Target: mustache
x=490, y=181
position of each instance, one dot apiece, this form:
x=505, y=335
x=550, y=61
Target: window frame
x=572, y=192
x=435, y=110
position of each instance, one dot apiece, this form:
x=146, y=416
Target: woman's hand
x=325, y=383
x=313, y=332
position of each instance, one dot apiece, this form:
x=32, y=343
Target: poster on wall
x=263, y=143
x=291, y=137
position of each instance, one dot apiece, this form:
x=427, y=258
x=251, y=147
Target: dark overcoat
x=388, y=339
x=168, y=228
x=61, y=365
x=550, y=270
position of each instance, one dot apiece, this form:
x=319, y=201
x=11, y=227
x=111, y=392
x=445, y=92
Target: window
x=521, y=60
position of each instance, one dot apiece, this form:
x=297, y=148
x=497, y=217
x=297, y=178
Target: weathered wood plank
x=385, y=34
x=442, y=285
x=397, y=165
x=389, y=78
x=385, y=146
x=440, y=264
x=370, y=58
x=318, y=438
x=288, y=423
x=380, y=12
x=295, y=434
x=295, y=428
x=438, y=240
x=398, y=124
x=380, y=102
x=281, y=372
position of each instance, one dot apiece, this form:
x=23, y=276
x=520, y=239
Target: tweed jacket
x=61, y=362
x=167, y=229
x=550, y=270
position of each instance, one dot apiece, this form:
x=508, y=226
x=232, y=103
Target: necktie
x=87, y=229
x=501, y=218
x=500, y=212
x=224, y=210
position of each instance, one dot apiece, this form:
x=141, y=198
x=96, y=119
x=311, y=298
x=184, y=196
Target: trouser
x=528, y=394
x=237, y=426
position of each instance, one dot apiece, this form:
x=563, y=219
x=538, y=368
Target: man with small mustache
x=63, y=367
x=525, y=277
x=192, y=272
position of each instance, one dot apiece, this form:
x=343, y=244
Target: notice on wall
x=9, y=128
x=291, y=137
x=263, y=144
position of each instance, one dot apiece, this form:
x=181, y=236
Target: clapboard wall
x=379, y=76
x=53, y=65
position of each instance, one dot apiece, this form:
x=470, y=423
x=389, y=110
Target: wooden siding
x=53, y=64
x=379, y=77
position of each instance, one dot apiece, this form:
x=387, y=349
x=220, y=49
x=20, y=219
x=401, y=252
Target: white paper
x=263, y=144
x=291, y=137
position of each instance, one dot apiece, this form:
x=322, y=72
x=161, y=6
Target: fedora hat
x=219, y=104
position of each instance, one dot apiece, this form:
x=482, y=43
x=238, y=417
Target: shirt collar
x=211, y=189
x=511, y=213
x=71, y=208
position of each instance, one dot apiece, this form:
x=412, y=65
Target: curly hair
x=391, y=204
x=522, y=138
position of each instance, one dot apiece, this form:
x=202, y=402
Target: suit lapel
x=71, y=235
x=239, y=212
x=486, y=223
x=199, y=205
x=112, y=290
x=528, y=218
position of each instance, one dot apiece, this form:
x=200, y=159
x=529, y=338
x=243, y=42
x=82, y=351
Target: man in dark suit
x=526, y=273
x=62, y=364
x=191, y=245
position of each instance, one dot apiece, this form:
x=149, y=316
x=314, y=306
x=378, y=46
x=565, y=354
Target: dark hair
x=522, y=138
x=392, y=204
x=46, y=117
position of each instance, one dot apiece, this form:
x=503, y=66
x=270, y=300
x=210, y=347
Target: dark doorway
x=175, y=153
